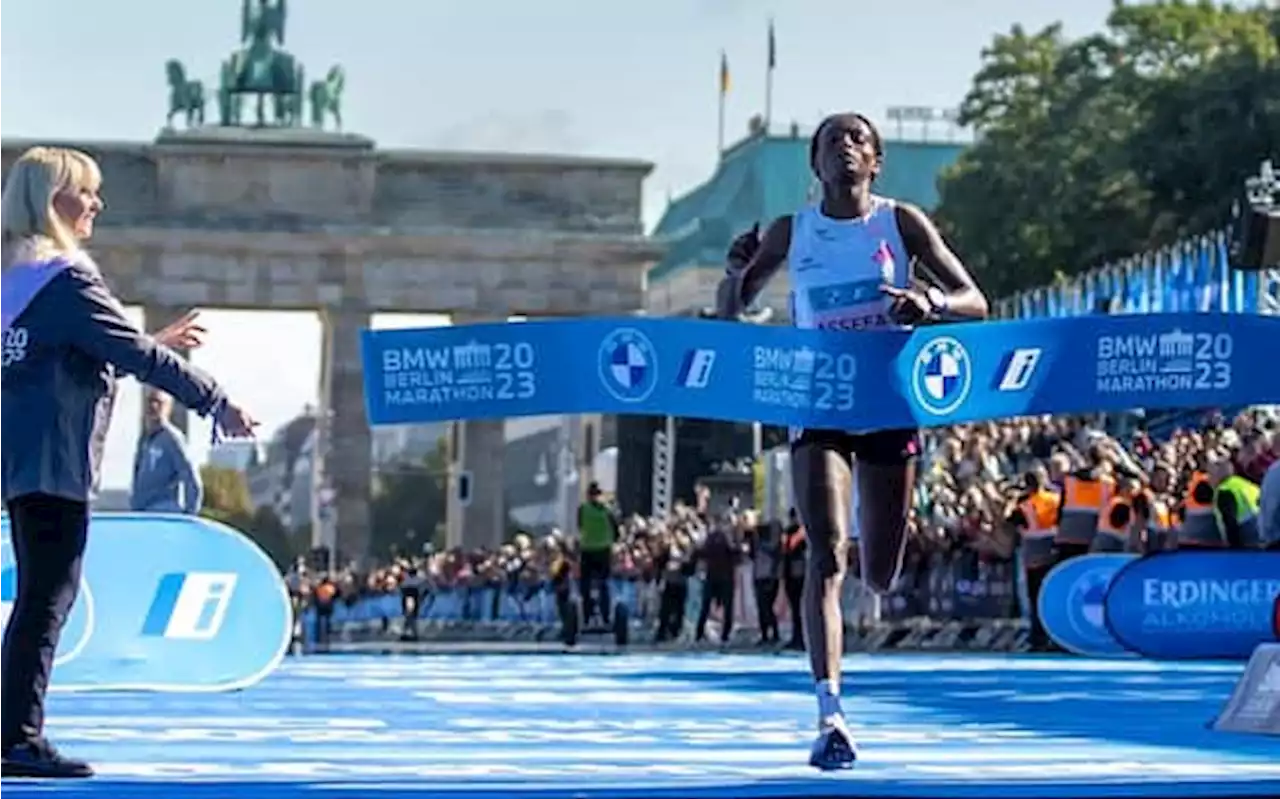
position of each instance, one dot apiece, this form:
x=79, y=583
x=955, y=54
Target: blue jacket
x=65, y=341
x=164, y=478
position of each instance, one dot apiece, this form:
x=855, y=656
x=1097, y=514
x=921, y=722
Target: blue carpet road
x=671, y=726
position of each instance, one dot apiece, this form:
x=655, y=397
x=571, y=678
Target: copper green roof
x=764, y=177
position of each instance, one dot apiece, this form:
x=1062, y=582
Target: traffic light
x=1256, y=243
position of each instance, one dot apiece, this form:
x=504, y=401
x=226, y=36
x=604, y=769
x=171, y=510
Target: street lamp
x=541, y=475
x=560, y=457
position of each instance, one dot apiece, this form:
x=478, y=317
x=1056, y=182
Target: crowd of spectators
x=963, y=518
x=974, y=478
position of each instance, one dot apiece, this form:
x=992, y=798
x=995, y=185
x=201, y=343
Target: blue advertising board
x=1190, y=605
x=1072, y=604
x=167, y=603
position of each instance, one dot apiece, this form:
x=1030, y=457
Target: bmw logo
x=1072, y=604
x=941, y=376
x=1088, y=599
x=628, y=365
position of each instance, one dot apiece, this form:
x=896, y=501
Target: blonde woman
x=65, y=341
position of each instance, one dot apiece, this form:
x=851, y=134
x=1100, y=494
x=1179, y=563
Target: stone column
x=349, y=454
x=572, y=472
x=482, y=521
x=452, y=505
x=478, y=453
x=154, y=317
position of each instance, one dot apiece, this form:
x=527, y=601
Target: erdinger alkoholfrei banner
x=1191, y=605
x=937, y=375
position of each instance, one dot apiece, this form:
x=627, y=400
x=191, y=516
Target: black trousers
x=1035, y=579
x=766, y=595
x=718, y=589
x=48, y=537
x=794, y=586
x=596, y=567
x=671, y=610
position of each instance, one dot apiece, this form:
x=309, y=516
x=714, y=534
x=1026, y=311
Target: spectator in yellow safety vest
x=1235, y=504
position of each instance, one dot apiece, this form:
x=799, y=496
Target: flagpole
x=720, y=128
x=724, y=91
x=768, y=81
x=768, y=101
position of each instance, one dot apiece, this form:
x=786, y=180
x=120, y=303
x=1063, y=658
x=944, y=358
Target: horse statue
x=229, y=107
x=282, y=82
x=185, y=96
x=288, y=105
x=326, y=97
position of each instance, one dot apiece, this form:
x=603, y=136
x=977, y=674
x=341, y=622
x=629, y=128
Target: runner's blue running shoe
x=834, y=749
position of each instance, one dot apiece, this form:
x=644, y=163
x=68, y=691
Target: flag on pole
x=724, y=73
x=768, y=78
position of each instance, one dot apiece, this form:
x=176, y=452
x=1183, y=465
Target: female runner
x=849, y=261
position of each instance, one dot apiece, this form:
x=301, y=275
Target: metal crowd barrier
x=475, y=609
x=953, y=603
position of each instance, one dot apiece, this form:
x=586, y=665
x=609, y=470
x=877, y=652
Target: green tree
x=410, y=498
x=266, y=529
x=1099, y=148
x=226, y=492
x=227, y=500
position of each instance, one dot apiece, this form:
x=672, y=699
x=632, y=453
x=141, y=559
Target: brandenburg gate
x=268, y=209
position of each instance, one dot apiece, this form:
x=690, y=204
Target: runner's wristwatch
x=938, y=300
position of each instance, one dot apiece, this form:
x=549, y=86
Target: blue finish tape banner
x=1072, y=604
x=728, y=371
x=1190, y=605
x=167, y=603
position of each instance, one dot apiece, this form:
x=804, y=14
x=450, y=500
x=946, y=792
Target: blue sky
x=637, y=80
